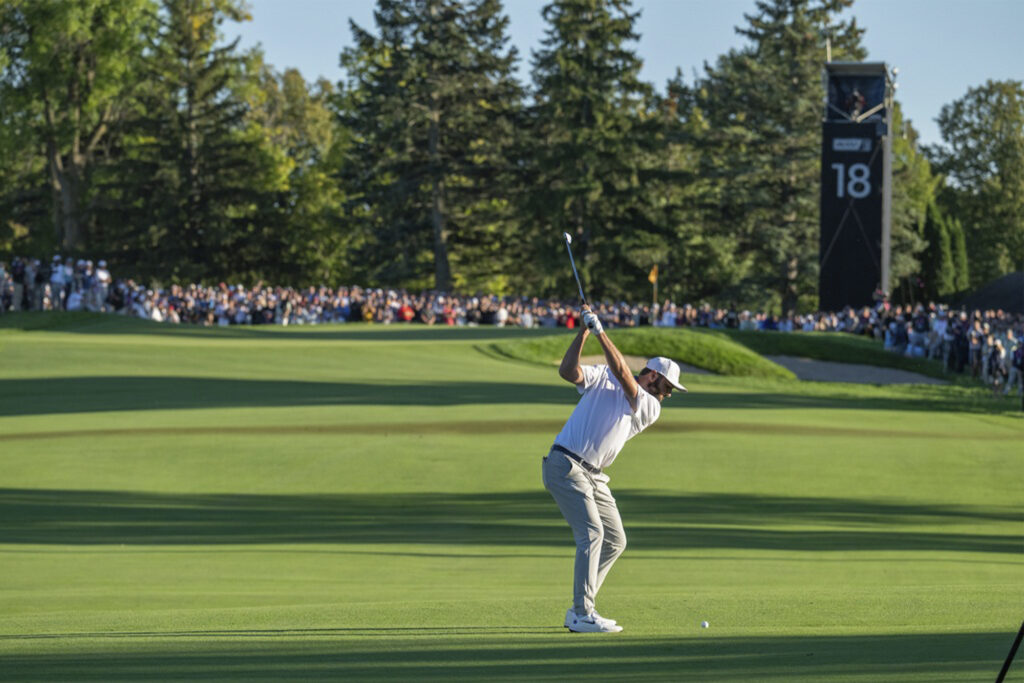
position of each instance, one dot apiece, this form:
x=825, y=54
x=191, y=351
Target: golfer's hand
x=592, y=322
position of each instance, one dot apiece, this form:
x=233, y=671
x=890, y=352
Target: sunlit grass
x=361, y=502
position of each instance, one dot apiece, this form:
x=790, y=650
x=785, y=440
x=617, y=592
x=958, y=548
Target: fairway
x=365, y=502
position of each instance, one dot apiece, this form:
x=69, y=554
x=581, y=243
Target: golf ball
x=704, y=624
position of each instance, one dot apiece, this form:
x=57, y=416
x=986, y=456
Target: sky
x=941, y=47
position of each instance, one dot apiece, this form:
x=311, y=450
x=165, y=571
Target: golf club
x=568, y=241
x=1009, y=657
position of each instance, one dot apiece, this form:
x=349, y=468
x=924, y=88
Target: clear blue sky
x=942, y=47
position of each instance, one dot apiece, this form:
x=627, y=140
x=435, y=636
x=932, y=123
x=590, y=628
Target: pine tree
x=958, y=242
x=194, y=168
x=702, y=261
x=937, y=268
x=913, y=191
x=762, y=107
x=592, y=152
x=432, y=104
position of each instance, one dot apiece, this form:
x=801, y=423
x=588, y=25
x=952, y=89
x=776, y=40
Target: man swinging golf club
x=615, y=406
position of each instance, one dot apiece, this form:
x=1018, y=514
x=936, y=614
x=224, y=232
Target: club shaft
x=576, y=274
x=1009, y=657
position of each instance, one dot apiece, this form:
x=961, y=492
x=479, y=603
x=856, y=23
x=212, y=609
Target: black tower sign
x=856, y=169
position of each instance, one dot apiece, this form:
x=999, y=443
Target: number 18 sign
x=851, y=213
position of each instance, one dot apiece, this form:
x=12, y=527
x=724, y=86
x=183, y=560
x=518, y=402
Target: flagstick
x=653, y=277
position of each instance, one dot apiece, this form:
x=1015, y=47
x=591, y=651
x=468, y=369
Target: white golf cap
x=668, y=369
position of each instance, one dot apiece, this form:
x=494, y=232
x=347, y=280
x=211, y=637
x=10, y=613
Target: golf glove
x=593, y=323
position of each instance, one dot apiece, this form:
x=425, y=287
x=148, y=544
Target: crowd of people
x=988, y=344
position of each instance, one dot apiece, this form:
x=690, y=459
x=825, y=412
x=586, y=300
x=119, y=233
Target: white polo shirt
x=603, y=420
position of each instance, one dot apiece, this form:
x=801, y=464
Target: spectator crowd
x=988, y=344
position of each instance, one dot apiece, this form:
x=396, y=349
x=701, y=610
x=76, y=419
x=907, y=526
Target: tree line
x=133, y=130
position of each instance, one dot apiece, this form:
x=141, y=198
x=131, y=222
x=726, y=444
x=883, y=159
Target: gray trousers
x=589, y=508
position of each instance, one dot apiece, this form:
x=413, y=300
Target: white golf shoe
x=570, y=615
x=591, y=623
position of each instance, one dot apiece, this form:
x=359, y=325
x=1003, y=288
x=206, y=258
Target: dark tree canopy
x=133, y=130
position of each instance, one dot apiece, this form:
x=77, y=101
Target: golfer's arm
x=618, y=367
x=569, y=370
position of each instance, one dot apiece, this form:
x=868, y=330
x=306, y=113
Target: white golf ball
x=704, y=624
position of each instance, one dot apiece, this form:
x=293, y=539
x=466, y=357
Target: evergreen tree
x=184, y=198
x=958, y=243
x=593, y=153
x=704, y=261
x=432, y=105
x=762, y=107
x=937, y=270
x=913, y=191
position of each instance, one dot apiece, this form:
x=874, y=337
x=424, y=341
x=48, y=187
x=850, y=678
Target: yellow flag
x=653, y=277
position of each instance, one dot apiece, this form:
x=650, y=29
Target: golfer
x=615, y=407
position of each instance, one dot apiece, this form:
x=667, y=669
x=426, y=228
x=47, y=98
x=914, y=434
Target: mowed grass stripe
x=365, y=503
x=518, y=652
x=656, y=520
x=518, y=426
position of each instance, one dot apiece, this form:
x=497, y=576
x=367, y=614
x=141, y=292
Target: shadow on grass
x=358, y=631
x=653, y=521
x=58, y=395
x=101, y=394
x=445, y=656
x=107, y=324
x=518, y=427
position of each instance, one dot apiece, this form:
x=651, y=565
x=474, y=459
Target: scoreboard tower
x=856, y=184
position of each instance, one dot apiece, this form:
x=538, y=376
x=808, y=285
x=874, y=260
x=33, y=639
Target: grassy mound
x=838, y=348
x=703, y=349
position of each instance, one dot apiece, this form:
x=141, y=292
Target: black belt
x=572, y=456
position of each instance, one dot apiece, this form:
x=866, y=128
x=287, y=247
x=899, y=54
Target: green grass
x=735, y=353
x=704, y=349
x=364, y=503
x=840, y=348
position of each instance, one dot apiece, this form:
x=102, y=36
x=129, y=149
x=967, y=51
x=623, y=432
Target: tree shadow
x=358, y=631
x=59, y=395
x=653, y=521
x=108, y=324
x=241, y=656
x=55, y=395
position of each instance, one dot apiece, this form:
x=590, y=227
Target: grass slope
x=703, y=349
x=839, y=348
x=364, y=503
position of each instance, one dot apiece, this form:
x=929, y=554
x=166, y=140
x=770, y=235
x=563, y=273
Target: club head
x=568, y=237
